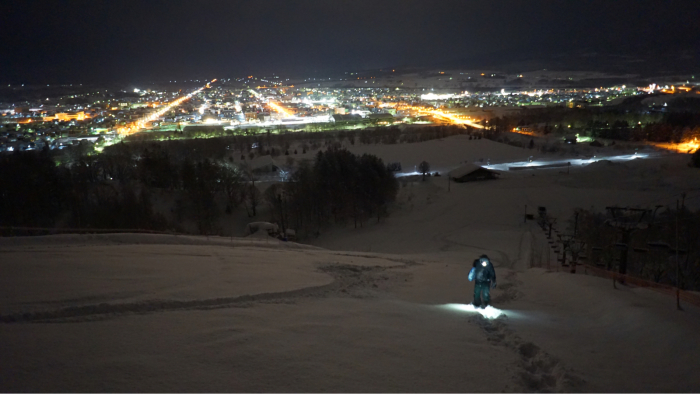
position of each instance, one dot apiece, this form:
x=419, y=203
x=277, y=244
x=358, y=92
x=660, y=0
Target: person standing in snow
x=484, y=276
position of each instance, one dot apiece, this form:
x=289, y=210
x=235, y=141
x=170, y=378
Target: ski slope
x=380, y=308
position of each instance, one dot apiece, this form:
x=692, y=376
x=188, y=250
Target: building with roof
x=347, y=119
x=471, y=172
x=381, y=118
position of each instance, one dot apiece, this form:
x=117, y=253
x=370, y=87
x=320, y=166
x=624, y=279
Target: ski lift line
x=671, y=221
x=648, y=202
x=673, y=196
x=687, y=296
x=688, y=198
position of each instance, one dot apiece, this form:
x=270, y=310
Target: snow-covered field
x=381, y=308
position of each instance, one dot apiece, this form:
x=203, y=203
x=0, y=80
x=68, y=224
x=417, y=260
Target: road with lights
x=455, y=119
x=279, y=108
x=141, y=123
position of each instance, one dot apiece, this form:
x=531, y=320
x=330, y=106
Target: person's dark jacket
x=483, y=275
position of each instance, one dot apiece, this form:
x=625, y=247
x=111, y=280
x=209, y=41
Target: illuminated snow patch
x=558, y=164
x=489, y=312
x=400, y=174
x=433, y=96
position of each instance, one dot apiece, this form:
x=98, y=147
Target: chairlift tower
x=571, y=245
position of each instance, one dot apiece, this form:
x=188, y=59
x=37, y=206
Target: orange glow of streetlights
x=683, y=147
x=141, y=123
x=279, y=108
x=689, y=146
x=448, y=117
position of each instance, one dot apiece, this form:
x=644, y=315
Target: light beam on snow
x=489, y=312
x=400, y=174
x=536, y=164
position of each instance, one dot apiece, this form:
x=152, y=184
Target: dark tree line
x=118, y=189
x=32, y=189
x=337, y=188
x=34, y=192
x=121, y=186
x=114, y=189
x=609, y=123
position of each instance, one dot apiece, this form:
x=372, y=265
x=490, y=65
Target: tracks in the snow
x=349, y=281
x=537, y=370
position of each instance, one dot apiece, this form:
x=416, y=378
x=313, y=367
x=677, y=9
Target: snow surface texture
x=382, y=308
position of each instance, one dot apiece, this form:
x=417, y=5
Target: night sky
x=89, y=41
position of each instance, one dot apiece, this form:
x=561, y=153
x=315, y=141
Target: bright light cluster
x=489, y=312
x=689, y=146
x=437, y=113
x=141, y=123
x=683, y=147
x=453, y=118
x=523, y=132
x=433, y=96
x=279, y=109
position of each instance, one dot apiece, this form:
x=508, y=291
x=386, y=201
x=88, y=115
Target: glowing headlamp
x=483, y=263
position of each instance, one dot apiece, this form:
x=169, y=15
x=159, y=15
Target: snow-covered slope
x=379, y=308
x=216, y=317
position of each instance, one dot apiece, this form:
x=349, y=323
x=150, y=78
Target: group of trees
x=35, y=192
x=119, y=188
x=338, y=187
x=115, y=189
x=609, y=123
x=32, y=190
x=205, y=174
x=144, y=184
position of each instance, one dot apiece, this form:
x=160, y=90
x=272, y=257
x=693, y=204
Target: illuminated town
x=247, y=104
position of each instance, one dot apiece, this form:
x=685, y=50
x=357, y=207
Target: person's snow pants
x=482, y=294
